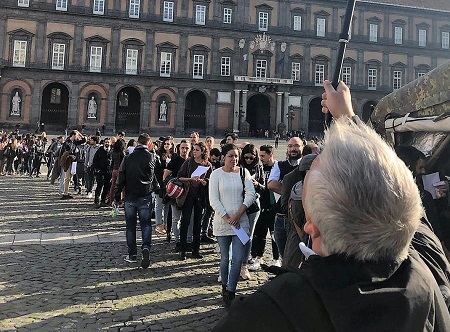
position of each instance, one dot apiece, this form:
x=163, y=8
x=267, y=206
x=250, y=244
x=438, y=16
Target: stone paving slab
x=6, y=239
x=28, y=238
x=56, y=238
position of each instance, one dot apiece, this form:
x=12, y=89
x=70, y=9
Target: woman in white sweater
x=230, y=199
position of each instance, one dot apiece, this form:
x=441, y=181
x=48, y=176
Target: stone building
x=168, y=67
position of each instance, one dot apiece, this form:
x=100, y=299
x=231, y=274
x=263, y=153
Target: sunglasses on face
x=249, y=158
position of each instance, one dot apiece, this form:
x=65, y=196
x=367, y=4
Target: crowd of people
x=350, y=238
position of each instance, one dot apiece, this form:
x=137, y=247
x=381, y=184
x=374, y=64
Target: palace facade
x=168, y=67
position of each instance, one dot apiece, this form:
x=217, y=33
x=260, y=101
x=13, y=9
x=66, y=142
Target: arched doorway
x=194, y=112
x=367, y=110
x=55, y=106
x=316, y=117
x=258, y=114
x=128, y=110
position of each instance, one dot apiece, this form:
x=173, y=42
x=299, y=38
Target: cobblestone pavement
x=62, y=270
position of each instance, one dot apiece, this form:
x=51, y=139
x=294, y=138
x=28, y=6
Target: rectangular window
x=227, y=12
x=95, y=63
x=168, y=11
x=200, y=14
x=132, y=62
x=295, y=73
x=261, y=68
x=397, y=79
x=373, y=32
x=58, y=56
x=398, y=35
x=263, y=21
x=197, y=71
x=225, y=67
x=445, y=39
x=99, y=7
x=297, y=23
x=320, y=27
x=372, y=79
x=134, y=8
x=319, y=76
x=20, y=53
x=347, y=75
x=166, y=64
x=61, y=5
x=23, y=3
x=422, y=37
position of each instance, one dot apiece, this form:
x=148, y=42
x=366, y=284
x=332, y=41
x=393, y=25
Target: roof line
x=405, y=6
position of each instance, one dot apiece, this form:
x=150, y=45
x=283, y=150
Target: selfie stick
x=344, y=38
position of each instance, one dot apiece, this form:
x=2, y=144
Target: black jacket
x=137, y=174
x=336, y=293
x=102, y=162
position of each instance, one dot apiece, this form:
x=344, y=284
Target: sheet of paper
x=241, y=234
x=276, y=196
x=130, y=149
x=199, y=171
x=428, y=181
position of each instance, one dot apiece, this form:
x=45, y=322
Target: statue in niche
x=15, y=108
x=163, y=112
x=92, y=109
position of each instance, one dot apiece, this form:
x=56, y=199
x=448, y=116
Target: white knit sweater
x=225, y=197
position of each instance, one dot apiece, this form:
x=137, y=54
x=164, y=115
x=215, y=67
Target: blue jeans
x=279, y=232
x=142, y=207
x=230, y=275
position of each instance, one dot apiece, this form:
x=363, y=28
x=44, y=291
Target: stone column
x=148, y=61
x=278, y=115
x=40, y=41
x=110, y=120
x=286, y=107
x=236, y=111
x=211, y=114
x=74, y=109
x=35, y=110
x=78, y=47
x=244, y=104
x=115, y=45
x=146, y=110
x=2, y=33
x=179, y=115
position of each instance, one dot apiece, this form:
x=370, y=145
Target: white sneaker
x=256, y=264
x=219, y=279
x=245, y=274
x=89, y=195
x=277, y=262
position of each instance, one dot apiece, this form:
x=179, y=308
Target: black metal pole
x=344, y=38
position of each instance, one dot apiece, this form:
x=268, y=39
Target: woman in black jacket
x=250, y=161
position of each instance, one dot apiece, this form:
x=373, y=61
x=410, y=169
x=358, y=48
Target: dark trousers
x=191, y=205
x=265, y=222
x=103, y=185
x=206, y=219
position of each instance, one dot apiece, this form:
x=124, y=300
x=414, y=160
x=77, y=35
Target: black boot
x=168, y=237
x=224, y=293
x=182, y=255
x=196, y=255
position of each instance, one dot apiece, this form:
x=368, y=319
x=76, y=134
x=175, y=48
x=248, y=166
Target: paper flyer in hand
x=241, y=234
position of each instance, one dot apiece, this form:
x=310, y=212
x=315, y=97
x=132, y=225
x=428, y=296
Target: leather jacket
x=137, y=174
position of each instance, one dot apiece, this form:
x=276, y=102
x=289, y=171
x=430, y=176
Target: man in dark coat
x=362, y=209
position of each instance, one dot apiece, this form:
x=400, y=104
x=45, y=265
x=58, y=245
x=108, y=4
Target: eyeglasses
x=249, y=158
x=294, y=146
